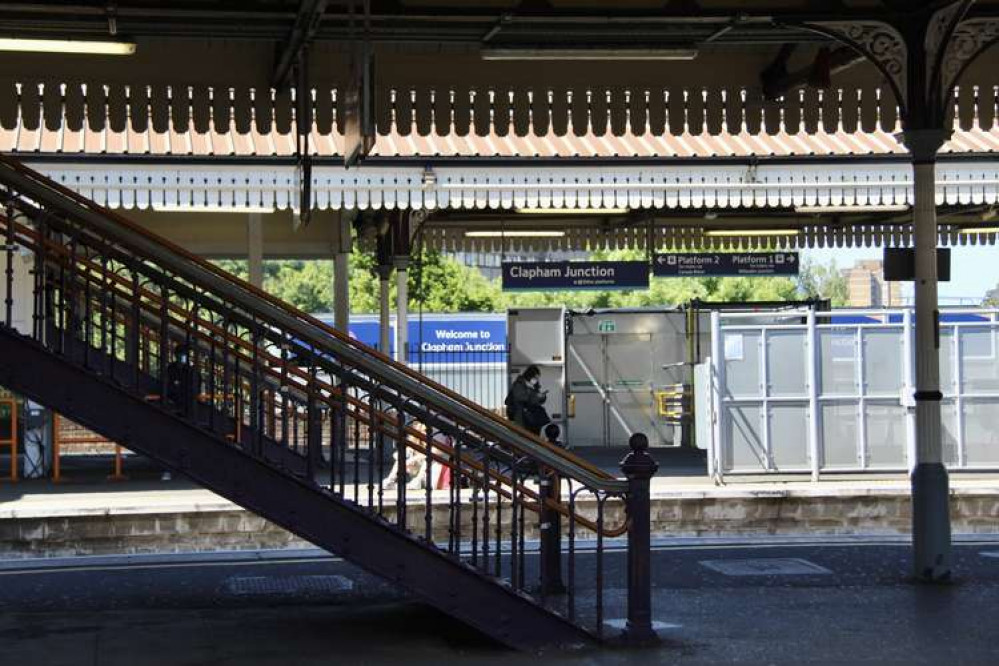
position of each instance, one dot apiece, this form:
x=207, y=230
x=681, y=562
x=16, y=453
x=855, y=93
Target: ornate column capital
x=966, y=42
x=923, y=144
x=881, y=43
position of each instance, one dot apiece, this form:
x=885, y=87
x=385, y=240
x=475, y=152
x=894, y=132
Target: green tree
x=991, y=299
x=439, y=281
x=305, y=284
x=441, y=284
x=235, y=266
x=824, y=281
x=662, y=292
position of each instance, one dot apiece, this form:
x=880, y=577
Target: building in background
x=867, y=288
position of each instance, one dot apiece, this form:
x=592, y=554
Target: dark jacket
x=524, y=405
x=183, y=384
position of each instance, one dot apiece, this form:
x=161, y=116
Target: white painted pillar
x=931, y=536
x=255, y=249
x=812, y=355
x=401, y=308
x=341, y=276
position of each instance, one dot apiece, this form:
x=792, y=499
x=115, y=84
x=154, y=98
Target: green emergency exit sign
x=606, y=326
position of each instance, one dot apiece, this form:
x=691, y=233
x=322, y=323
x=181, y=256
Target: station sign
x=725, y=264
x=574, y=275
x=452, y=340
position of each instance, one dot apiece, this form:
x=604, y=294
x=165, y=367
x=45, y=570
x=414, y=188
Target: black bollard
x=639, y=467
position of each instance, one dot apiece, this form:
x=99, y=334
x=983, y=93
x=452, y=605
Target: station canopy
x=724, y=139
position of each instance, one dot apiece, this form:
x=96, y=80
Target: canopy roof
x=729, y=134
x=667, y=184
x=198, y=63
x=233, y=144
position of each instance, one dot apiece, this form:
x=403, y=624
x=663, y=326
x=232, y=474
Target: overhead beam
x=310, y=14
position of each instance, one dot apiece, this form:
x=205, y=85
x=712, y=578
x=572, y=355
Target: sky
x=974, y=270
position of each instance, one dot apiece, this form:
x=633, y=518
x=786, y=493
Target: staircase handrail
x=302, y=325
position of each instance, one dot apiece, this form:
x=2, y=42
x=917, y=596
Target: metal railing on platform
x=179, y=334
x=822, y=392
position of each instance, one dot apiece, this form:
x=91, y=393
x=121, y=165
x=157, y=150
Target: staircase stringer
x=332, y=523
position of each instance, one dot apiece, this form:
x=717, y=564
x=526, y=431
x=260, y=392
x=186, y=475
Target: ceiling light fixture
x=872, y=208
x=623, y=53
x=978, y=230
x=515, y=234
x=572, y=211
x=66, y=46
x=735, y=233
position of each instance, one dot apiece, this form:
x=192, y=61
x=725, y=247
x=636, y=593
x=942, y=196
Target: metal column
x=255, y=249
x=401, y=308
x=715, y=460
x=814, y=450
x=931, y=535
x=341, y=276
x=384, y=309
x=383, y=255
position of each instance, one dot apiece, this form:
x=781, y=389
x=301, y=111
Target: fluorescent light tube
x=873, y=208
x=734, y=233
x=572, y=211
x=66, y=46
x=515, y=234
x=208, y=208
x=978, y=230
x=543, y=53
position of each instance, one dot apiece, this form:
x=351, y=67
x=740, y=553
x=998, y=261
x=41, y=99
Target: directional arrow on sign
x=696, y=264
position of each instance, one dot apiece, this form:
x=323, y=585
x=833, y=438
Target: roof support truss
x=310, y=13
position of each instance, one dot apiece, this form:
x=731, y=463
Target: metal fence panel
x=828, y=392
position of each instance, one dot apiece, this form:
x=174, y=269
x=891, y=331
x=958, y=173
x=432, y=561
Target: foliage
x=662, y=292
x=991, y=299
x=443, y=284
x=824, y=281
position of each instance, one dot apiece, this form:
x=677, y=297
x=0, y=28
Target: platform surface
x=777, y=602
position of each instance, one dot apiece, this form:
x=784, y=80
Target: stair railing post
x=551, y=526
x=639, y=467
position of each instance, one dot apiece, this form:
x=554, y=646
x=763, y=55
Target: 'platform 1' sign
x=558, y=275
x=721, y=264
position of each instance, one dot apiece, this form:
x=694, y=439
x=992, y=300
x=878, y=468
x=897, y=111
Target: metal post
x=384, y=309
x=341, y=277
x=401, y=308
x=639, y=467
x=383, y=257
x=551, y=526
x=931, y=535
x=812, y=353
x=255, y=249
x=716, y=379
x=908, y=390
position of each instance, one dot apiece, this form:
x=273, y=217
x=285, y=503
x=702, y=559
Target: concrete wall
x=719, y=513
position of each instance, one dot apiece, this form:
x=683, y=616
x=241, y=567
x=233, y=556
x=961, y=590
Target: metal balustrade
x=305, y=409
x=820, y=392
